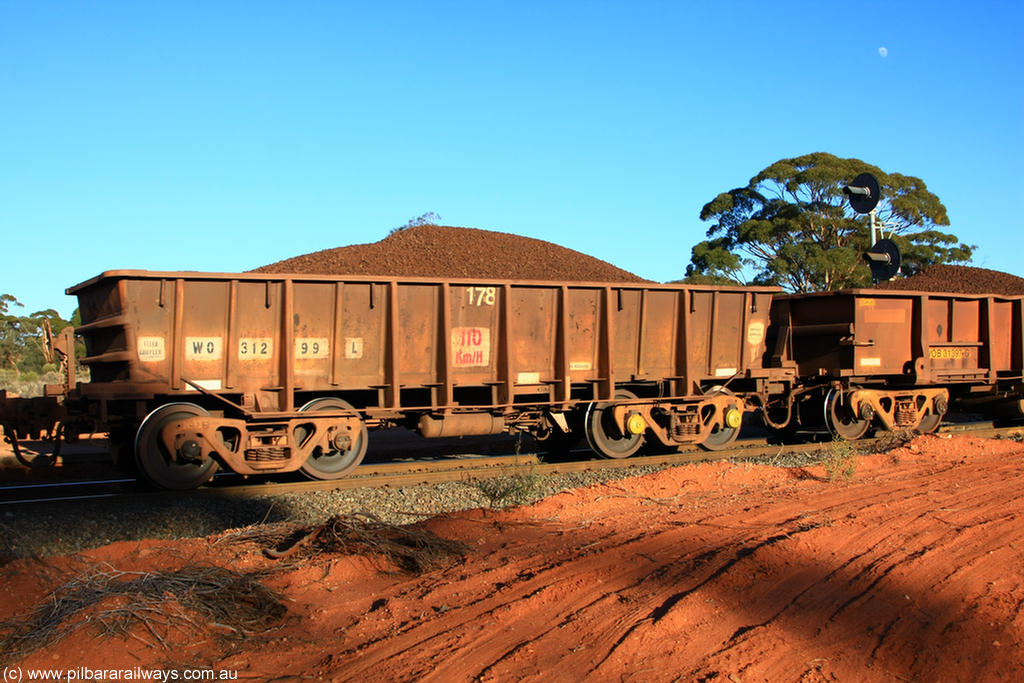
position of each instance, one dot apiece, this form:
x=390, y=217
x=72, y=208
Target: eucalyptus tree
x=791, y=226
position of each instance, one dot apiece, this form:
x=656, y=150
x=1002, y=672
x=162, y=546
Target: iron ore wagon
x=894, y=360
x=258, y=373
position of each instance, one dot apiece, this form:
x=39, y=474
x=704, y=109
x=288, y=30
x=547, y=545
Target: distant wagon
x=894, y=359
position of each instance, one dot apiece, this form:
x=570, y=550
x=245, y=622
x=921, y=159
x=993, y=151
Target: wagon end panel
x=109, y=340
x=882, y=340
x=820, y=331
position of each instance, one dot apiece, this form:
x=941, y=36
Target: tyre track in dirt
x=511, y=584
x=692, y=568
x=885, y=570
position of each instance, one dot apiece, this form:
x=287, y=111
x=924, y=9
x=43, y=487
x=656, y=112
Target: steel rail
x=466, y=468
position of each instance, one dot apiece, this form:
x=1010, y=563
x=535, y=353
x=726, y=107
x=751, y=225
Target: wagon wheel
x=722, y=435
x=840, y=420
x=161, y=467
x=334, y=464
x=930, y=422
x=603, y=434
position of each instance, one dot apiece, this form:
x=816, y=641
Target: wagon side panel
x=533, y=313
x=315, y=344
x=882, y=339
x=474, y=333
x=628, y=307
x=148, y=332
x=725, y=333
x=256, y=342
x=658, y=334
x=415, y=340
x=583, y=318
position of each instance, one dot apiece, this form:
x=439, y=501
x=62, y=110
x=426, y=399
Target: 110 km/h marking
x=471, y=347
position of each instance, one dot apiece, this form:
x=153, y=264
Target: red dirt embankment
x=911, y=571
x=445, y=252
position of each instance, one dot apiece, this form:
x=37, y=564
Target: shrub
x=513, y=488
x=840, y=460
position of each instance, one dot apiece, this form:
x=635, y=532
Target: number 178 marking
x=481, y=296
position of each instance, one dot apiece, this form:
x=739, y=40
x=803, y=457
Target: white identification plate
x=152, y=349
x=204, y=348
x=311, y=347
x=255, y=348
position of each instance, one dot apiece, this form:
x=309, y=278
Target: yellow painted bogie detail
x=635, y=423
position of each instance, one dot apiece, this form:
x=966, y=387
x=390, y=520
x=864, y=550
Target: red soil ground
x=910, y=571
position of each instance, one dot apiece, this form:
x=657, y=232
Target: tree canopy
x=792, y=226
x=428, y=218
x=22, y=343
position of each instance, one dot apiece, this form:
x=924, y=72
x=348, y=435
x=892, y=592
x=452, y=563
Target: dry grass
x=146, y=606
x=411, y=550
x=517, y=486
x=888, y=441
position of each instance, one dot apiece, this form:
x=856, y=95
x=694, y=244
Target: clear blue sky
x=227, y=135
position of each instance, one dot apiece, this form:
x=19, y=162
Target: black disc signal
x=885, y=260
x=863, y=193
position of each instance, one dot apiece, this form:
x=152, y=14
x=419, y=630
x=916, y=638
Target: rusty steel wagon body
x=894, y=359
x=273, y=373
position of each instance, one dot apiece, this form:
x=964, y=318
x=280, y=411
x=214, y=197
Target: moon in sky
x=883, y=51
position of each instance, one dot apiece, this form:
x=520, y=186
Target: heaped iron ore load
x=959, y=280
x=277, y=373
x=441, y=252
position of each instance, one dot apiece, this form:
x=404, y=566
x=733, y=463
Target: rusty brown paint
x=246, y=334
x=926, y=338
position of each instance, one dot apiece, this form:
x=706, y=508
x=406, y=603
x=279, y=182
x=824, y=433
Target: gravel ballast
x=68, y=527
x=64, y=528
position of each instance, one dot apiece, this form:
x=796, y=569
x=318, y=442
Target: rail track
x=460, y=468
